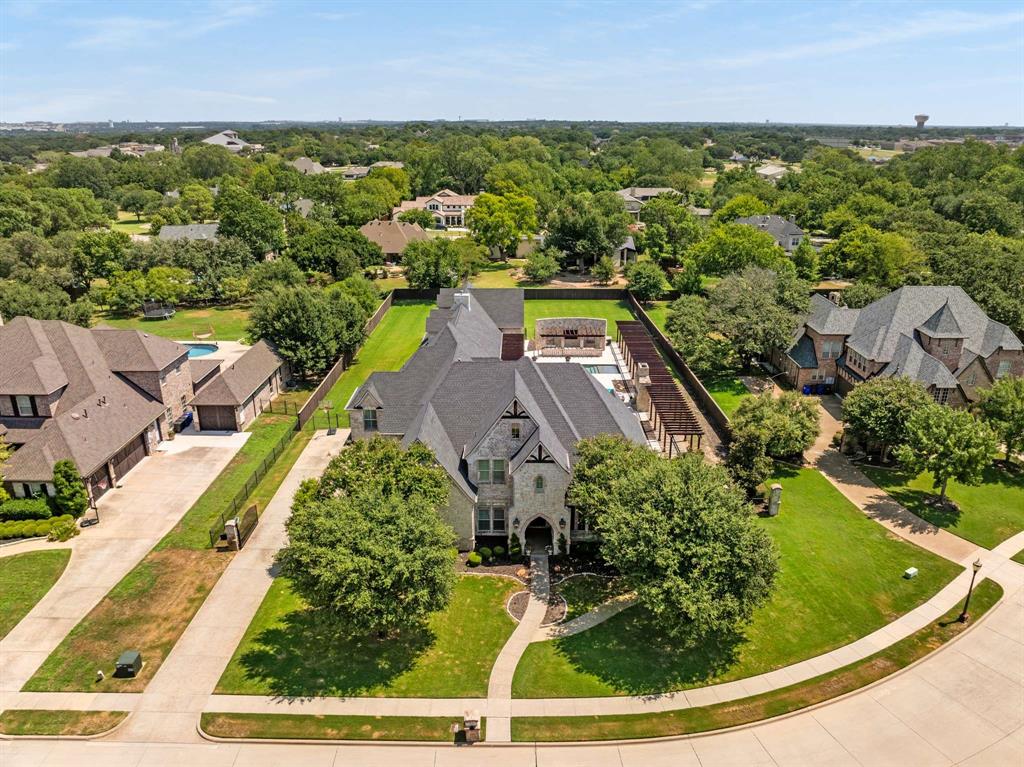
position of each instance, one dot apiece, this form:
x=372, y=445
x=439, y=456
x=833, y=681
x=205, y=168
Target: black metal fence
x=238, y=500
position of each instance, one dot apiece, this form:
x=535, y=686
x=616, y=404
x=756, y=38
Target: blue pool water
x=200, y=350
x=607, y=369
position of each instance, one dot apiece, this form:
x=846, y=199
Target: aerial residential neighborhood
x=562, y=384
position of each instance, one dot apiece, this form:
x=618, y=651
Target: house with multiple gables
x=102, y=397
x=447, y=207
x=231, y=141
x=786, y=233
x=503, y=425
x=635, y=197
x=932, y=334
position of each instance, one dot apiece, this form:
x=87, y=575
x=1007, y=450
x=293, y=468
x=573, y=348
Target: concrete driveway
x=133, y=517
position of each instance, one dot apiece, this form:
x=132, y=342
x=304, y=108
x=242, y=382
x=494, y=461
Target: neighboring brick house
x=786, y=233
x=392, y=236
x=240, y=391
x=503, y=426
x=932, y=334
x=447, y=207
x=103, y=398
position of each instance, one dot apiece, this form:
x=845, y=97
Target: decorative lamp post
x=561, y=522
x=974, y=568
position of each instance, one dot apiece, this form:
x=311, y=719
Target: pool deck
x=227, y=351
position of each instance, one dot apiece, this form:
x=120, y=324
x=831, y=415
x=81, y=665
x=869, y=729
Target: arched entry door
x=539, y=535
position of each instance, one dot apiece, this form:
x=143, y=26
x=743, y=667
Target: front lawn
x=611, y=310
x=289, y=650
x=582, y=593
x=24, y=580
x=153, y=604
x=987, y=515
x=228, y=323
x=734, y=713
x=840, y=578
x=395, y=339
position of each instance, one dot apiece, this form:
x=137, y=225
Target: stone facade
x=570, y=336
x=172, y=386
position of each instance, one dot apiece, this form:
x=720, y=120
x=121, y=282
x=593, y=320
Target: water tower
x=920, y=120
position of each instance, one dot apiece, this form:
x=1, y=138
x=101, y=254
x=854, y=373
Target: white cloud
x=119, y=32
x=923, y=26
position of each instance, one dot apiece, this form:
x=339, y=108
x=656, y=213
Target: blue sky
x=679, y=60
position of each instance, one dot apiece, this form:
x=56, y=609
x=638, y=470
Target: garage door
x=216, y=418
x=128, y=456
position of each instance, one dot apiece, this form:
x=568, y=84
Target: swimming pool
x=601, y=369
x=200, y=350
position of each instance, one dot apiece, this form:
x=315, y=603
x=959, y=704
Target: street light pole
x=967, y=602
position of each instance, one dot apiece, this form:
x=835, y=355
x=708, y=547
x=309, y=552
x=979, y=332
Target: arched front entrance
x=539, y=536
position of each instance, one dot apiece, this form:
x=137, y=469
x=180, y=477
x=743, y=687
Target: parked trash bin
x=129, y=664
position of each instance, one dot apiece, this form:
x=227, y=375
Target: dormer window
x=370, y=420
x=24, y=406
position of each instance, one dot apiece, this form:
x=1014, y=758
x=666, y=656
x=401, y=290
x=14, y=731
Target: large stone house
x=447, y=207
x=103, y=398
x=502, y=425
x=932, y=334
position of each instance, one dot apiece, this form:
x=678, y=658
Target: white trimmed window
x=490, y=519
x=490, y=471
x=23, y=403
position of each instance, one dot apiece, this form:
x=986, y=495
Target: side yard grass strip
x=986, y=514
x=24, y=580
x=767, y=705
x=292, y=651
x=151, y=606
x=40, y=722
x=329, y=727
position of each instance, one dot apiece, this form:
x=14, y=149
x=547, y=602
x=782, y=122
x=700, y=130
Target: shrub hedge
x=25, y=508
x=31, y=528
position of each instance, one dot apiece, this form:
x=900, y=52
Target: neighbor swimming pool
x=602, y=369
x=200, y=350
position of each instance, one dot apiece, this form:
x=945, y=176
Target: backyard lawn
x=841, y=578
x=988, y=514
x=609, y=309
x=396, y=338
x=228, y=323
x=288, y=650
x=24, y=580
x=153, y=604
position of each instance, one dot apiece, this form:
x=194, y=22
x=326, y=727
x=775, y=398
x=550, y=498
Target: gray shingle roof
x=455, y=387
x=778, y=227
x=189, y=232
x=831, y=320
x=132, y=351
x=910, y=360
x=237, y=382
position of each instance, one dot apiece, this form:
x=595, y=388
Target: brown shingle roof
x=98, y=411
x=133, y=351
x=392, y=236
x=236, y=383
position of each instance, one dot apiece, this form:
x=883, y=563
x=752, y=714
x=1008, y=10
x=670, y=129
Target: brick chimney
x=512, y=345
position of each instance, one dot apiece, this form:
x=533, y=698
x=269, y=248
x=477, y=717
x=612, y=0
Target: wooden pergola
x=671, y=418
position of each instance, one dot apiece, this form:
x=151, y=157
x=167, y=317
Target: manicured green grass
x=767, y=705
x=498, y=274
x=840, y=579
x=153, y=604
x=396, y=338
x=1019, y=557
x=613, y=311
x=583, y=593
x=289, y=650
x=658, y=312
x=330, y=727
x=41, y=722
x=987, y=515
x=728, y=392
x=129, y=223
x=24, y=580
x=228, y=323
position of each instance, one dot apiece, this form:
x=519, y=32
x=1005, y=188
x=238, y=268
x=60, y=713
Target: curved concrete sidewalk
x=588, y=620
x=962, y=705
x=498, y=705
